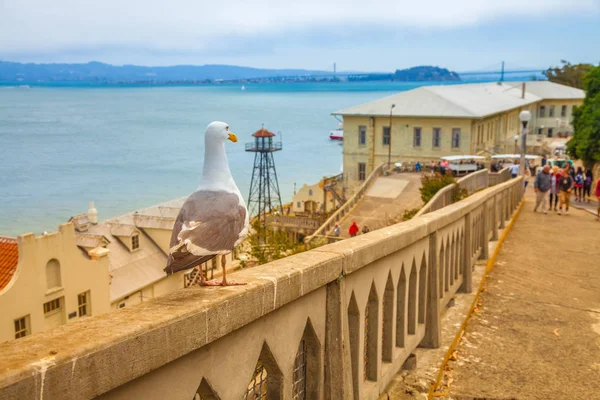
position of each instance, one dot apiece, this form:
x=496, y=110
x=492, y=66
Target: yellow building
x=88, y=268
x=48, y=281
x=434, y=121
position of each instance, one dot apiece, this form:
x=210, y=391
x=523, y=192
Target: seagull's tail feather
x=186, y=262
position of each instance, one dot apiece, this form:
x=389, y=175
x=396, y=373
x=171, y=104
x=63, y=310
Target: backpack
x=579, y=179
x=588, y=181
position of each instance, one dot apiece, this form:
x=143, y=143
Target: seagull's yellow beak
x=232, y=137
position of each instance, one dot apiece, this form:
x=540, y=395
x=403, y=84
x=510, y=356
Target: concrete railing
x=472, y=183
x=294, y=222
x=498, y=177
x=336, y=322
x=341, y=212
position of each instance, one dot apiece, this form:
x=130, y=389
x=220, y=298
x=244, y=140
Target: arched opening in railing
x=388, y=320
x=412, y=300
x=267, y=379
x=205, y=392
x=354, y=337
x=447, y=266
x=457, y=257
x=371, y=336
x=452, y=259
x=441, y=268
x=401, y=309
x=422, y=289
x=307, y=366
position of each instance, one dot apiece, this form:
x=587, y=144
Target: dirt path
x=386, y=200
x=537, y=332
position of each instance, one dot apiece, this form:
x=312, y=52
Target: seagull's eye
x=226, y=128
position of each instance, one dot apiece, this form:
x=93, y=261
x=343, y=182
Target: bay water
x=129, y=147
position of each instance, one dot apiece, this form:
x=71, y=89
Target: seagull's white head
x=219, y=132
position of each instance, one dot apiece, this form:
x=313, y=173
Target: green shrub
x=431, y=184
x=409, y=214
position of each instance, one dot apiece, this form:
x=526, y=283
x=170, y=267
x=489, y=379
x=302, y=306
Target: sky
x=371, y=35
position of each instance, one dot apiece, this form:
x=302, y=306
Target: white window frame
x=83, y=305
x=362, y=135
x=436, y=135
x=417, y=136
x=563, y=111
x=362, y=175
x=456, y=139
x=384, y=136
x=542, y=112
x=22, y=328
x=53, y=306
x=135, y=241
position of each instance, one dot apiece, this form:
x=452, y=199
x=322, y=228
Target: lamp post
x=390, y=138
x=524, y=116
x=516, y=139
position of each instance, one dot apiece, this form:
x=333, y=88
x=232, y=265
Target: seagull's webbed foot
x=224, y=282
x=214, y=282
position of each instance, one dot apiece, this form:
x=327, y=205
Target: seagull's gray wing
x=209, y=223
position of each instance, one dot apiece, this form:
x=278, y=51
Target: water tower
x=264, y=194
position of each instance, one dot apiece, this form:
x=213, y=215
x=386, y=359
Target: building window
x=563, y=111
x=135, y=242
x=53, y=274
x=455, y=138
x=362, y=135
x=22, y=327
x=550, y=132
x=542, y=112
x=551, y=111
x=417, y=137
x=298, y=205
x=540, y=131
x=362, y=171
x=52, y=305
x=83, y=302
x=386, y=135
x=310, y=192
x=437, y=133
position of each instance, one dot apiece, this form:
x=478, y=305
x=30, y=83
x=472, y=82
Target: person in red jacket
x=353, y=231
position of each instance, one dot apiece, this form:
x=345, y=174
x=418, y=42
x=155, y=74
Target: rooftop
x=477, y=100
x=9, y=258
x=262, y=132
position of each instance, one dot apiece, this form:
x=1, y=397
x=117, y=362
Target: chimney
x=93, y=213
x=523, y=91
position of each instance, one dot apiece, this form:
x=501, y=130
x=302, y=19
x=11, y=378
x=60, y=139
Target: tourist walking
x=336, y=230
x=579, y=179
x=527, y=176
x=418, y=167
x=565, y=186
x=514, y=170
x=554, y=190
x=542, y=184
x=353, y=231
x=365, y=229
x=544, y=160
x=587, y=185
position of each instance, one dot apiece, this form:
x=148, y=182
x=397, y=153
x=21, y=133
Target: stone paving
x=536, y=334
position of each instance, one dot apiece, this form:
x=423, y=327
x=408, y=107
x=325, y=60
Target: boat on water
x=243, y=87
x=337, y=134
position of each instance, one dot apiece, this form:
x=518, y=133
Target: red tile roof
x=9, y=257
x=263, y=133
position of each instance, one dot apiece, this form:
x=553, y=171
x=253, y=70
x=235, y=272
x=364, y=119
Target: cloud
x=177, y=26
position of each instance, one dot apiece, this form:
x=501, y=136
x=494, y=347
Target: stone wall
x=336, y=322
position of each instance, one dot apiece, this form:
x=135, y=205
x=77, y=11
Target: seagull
x=213, y=219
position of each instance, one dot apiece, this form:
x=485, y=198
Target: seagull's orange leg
x=224, y=281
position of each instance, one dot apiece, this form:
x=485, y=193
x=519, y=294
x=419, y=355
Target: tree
x=585, y=144
x=568, y=74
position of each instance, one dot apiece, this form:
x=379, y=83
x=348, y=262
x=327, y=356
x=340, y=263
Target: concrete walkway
x=536, y=332
x=385, y=202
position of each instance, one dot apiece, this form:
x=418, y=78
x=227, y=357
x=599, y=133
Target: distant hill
x=425, y=73
x=414, y=74
x=106, y=73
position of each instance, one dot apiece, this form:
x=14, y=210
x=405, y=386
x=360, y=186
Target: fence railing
x=498, y=177
x=341, y=212
x=298, y=221
x=472, y=183
x=358, y=307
